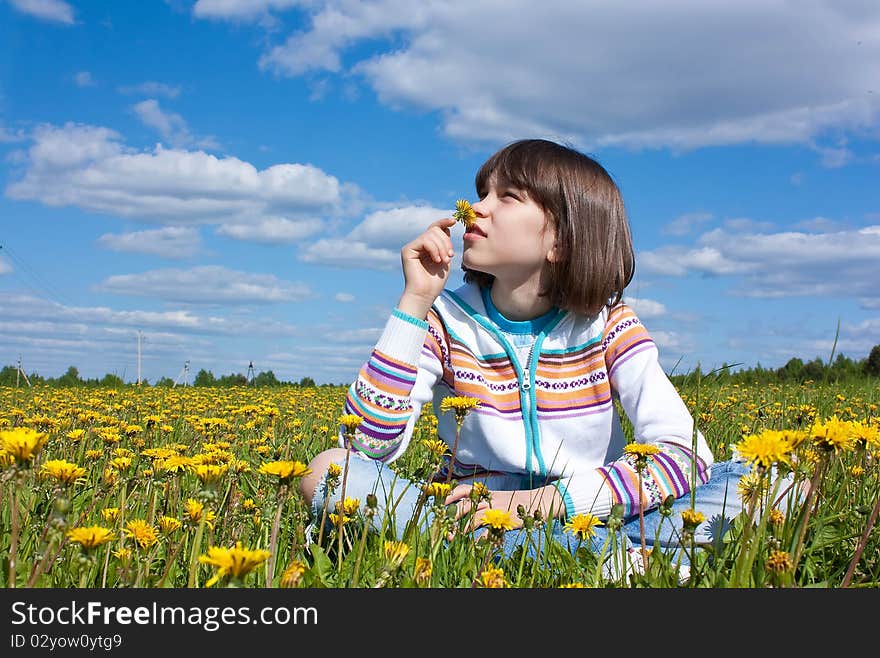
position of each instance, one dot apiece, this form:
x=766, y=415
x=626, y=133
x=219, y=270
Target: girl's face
x=512, y=238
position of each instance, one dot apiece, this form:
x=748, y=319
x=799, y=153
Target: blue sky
x=233, y=179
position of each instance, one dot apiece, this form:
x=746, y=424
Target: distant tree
x=871, y=366
x=111, y=380
x=164, y=382
x=792, y=370
x=8, y=376
x=204, y=378
x=814, y=370
x=267, y=378
x=234, y=379
x=69, y=378
x=306, y=381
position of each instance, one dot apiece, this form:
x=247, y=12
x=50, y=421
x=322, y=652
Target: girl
x=539, y=335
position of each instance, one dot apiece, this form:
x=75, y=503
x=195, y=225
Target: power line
x=37, y=284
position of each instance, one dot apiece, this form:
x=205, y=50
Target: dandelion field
x=192, y=487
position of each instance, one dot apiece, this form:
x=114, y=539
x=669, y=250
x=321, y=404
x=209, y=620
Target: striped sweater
x=552, y=419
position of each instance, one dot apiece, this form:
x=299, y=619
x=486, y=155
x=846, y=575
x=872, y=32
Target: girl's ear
x=552, y=255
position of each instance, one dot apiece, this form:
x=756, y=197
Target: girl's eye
x=511, y=194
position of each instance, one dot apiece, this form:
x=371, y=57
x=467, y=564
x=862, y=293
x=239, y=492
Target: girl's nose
x=480, y=207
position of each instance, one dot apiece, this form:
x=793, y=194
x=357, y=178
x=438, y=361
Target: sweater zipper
x=527, y=371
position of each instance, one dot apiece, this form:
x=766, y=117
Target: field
x=196, y=487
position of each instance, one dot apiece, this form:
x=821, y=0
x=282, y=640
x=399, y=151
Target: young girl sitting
x=539, y=335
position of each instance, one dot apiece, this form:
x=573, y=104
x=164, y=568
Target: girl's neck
x=519, y=302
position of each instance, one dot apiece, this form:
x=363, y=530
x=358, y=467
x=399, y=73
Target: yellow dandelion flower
x=120, y=463
x=248, y=505
x=395, y=553
x=493, y=578
x=438, y=490
x=459, y=403
x=350, y=506
x=464, y=213
x=90, y=537
x=75, y=435
x=334, y=470
x=22, y=443
x=210, y=473
x=350, y=421
x=640, y=449
x=63, y=471
x=423, y=570
x=285, y=470
x=582, y=525
x=175, y=463
x=436, y=447
x=235, y=562
x=573, y=586
x=338, y=520
x=779, y=562
x=110, y=514
x=498, y=519
x=93, y=454
x=142, y=532
x=122, y=554
x=292, y=575
x=776, y=517
x=692, y=518
x=479, y=492
x=168, y=524
x=765, y=449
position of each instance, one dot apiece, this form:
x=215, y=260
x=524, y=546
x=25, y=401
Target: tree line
x=796, y=370
x=11, y=376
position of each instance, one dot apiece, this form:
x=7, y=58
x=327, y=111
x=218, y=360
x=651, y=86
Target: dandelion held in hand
x=464, y=213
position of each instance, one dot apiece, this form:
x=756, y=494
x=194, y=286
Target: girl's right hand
x=426, y=262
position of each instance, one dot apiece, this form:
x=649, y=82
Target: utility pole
x=249, y=379
x=183, y=372
x=20, y=371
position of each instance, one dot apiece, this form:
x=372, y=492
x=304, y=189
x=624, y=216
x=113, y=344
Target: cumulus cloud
x=172, y=127
x=55, y=11
x=89, y=167
x=646, y=309
x=208, y=284
x=740, y=72
x=5, y=266
x=791, y=263
x=242, y=10
x=375, y=243
x=171, y=242
x=343, y=297
x=270, y=230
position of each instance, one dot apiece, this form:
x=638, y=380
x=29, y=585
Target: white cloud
x=841, y=263
x=152, y=88
x=89, y=167
x=353, y=255
x=169, y=242
x=50, y=10
x=684, y=224
x=375, y=243
x=209, y=284
x=343, y=297
x=242, y=10
x=172, y=127
x=646, y=309
x=84, y=79
x=739, y=73
x=270, y=230
x=5, y=266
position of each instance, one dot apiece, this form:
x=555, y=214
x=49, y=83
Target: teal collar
x=533, y=326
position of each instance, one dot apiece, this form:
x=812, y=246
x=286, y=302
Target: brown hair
x=595, y=259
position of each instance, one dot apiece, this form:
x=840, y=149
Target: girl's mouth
x=474, y=233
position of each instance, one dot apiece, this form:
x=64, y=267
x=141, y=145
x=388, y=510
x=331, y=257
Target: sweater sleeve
x=659, y=417
x=393, y=385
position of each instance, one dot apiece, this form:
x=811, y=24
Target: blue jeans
x=398, y=498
